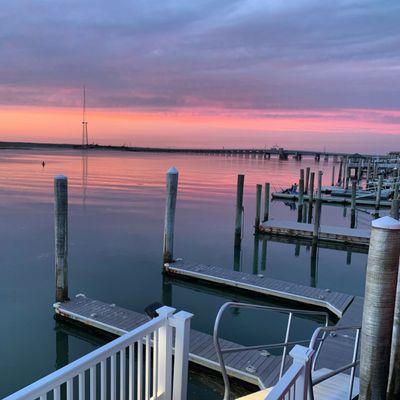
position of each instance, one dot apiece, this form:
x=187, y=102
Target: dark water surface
x=116, y=223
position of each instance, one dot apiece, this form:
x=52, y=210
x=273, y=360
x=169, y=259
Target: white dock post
x=317, y=218
x=258, y=208
x=266, y=201
x=239, y=210
x=353, y=203
x=61, y=236
x=379, y=304
x=378, y=193
x=333, y=175
x=170, y=207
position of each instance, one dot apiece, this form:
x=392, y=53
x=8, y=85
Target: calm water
x=116, y=222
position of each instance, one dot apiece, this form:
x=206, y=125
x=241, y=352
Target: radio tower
x=85, y=138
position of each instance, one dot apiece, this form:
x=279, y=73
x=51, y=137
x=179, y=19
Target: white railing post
x=181, y=322
x=302, y=356
x=164, y=378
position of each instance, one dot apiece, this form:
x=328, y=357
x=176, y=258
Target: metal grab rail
x=284, y=344
x=126, y=362
x=352, y=365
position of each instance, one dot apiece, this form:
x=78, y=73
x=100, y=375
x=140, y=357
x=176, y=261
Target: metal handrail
x=284, y=344
x=330, y=374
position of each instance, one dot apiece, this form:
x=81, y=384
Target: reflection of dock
x=333, y=301
x=326, y=233
x=253, y=366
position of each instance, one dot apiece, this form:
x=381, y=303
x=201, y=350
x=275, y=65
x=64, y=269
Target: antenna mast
x=85, y=138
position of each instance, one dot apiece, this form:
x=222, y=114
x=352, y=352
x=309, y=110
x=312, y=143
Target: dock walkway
x=253, y=366
x=338, y=234
x=335, y=302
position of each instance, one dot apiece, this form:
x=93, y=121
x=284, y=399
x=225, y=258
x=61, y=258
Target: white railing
x=137, y=365
x=294, y=384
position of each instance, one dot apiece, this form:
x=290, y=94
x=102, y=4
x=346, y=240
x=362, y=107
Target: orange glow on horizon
x=211, y=128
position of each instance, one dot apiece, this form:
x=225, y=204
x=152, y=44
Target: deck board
x=118, y=320
x=336, y=234
x=333, y=301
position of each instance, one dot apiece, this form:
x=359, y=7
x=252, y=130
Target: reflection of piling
x=317, y=218
x=61, y=236
x=237, y=251
x=166, y=291
x=255, y=254
x=353, y=203
x=301, y=196
x=266, y=201
x=258, y=208
x=264, y=255
x=170, y=207
x=348, y=257
x=297, y=249
x=62, y=348
x=379, y=305
x=311, y=197
x=239, y=210
x=314, y=254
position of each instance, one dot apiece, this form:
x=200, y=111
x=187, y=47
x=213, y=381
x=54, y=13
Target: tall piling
x=378, y=193
x=311, y=197
x=266, y=201
x=379, y=305
x=61, y=236
x=339, y=181
x=301, y=196
x=258, y=208
x=307, y=182
x=353, y=203
x=317, y=218
x=394, y=209
x=333, y=176
x=239, y=210
x=170, y=208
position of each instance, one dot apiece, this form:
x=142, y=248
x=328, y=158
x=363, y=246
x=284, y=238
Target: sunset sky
x=248, y=73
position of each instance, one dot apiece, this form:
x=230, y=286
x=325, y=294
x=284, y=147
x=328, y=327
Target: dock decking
x=335, y=302
x=253, y=366
x=327, y=233
x=332, y=200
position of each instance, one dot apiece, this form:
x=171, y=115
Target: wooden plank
x=326, y=233
x=333, y=301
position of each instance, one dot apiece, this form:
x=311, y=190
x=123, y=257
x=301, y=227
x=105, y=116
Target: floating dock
x=257, y=367
x=332, y=200
x=335, y=302
x=337, y=234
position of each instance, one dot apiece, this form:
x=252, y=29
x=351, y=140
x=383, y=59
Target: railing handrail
x=166, y=319
x=221, y=351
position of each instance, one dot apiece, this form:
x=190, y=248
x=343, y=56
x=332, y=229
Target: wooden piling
x=301, y=196
x=307, y=182
x=258, y=208
x=170, y=207
x=311, y=197
x=394, y=209
x=333, y=175
x=379, y=305
x=266, y=201
x=353, y=203
x=317, y=218
x=239, y=210
x=339, y=181
x=61, y=236
x=378, y=193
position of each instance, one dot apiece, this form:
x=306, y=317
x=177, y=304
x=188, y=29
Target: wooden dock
x=259, y=368
x=332, y=200
x=335, y=302
x=337, y=234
